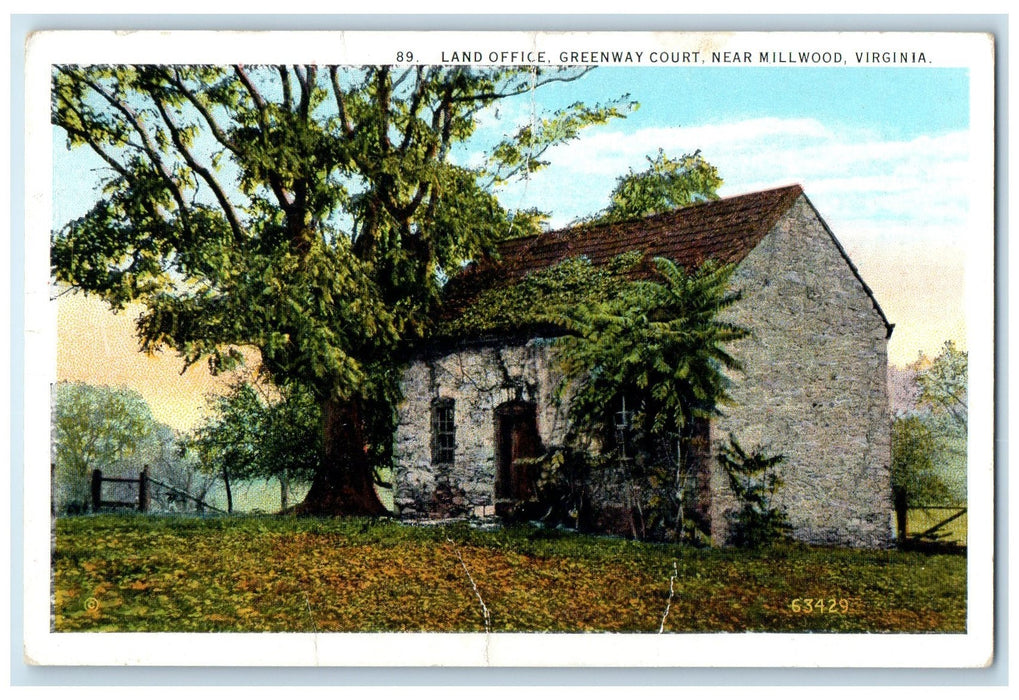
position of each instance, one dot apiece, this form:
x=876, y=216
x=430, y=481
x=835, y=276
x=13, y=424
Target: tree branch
x=382, y=98
x=94, y=145
x=288, y=99
x=151, y=149
x=497, y=95
x=307, y=83
x=412, y=110
x=213, y=124
x=275, y=181
x=341, y=107
x=121, y=169
x=203, y=172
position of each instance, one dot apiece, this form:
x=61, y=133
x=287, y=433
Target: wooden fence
x=142, y=504
x=145, y=483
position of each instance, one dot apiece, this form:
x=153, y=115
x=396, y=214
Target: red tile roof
x=724, y=230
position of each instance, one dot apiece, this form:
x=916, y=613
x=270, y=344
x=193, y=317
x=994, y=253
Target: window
x=443, y=431
x=623, y=422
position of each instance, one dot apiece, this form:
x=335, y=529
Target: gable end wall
x=813, y=387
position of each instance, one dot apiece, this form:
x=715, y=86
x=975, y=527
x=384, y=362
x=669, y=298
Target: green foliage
x=253, y=434
x=112, y=429
x=943, y=384
x=754, y=482
x=540, y=299
x=659, y=344
x=520, y=154
x=929, y=442
x=659, y=349
x=665, y=185
x=915, y=470
x=322, y=241
x=656, y=345
x=94, y=427
x=357, y=575
x=309, y=212
x=565, y=481
x=527, y=222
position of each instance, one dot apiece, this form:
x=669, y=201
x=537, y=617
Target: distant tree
x=253, y=433
x=170, y=463
x=943, y=384
x=914, y=463
x=665, y=185
x=94, y=427
x=929, y=436
x=917, y=479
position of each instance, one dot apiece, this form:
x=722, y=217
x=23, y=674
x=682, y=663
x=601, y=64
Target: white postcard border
x=974, y=648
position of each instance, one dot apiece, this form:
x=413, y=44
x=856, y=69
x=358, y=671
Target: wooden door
x=516, y=438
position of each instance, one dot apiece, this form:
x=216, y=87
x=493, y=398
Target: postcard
x=510, y=349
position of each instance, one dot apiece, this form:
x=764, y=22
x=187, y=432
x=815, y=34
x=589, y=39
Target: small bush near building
x=754, y=481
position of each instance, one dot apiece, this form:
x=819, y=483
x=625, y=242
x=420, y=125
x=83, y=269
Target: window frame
x=443, y=427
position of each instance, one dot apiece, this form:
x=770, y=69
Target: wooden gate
x=142, y=504
x=935, y=523
x=145, y=484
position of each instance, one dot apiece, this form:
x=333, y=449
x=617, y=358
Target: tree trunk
x=901, y=503
x=229, y=494
x=692, y=476
x=344, y=483
x=284, y=495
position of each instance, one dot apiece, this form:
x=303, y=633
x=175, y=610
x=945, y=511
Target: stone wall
x=478, y=379
x=813, y=387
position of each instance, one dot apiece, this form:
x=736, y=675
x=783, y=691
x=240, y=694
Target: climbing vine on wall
x=540, y=299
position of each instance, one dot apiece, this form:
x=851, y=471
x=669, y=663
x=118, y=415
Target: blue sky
x=765, y=126
x=896, y=102
x=883, y=153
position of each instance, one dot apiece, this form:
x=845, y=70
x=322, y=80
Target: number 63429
x=820, y=606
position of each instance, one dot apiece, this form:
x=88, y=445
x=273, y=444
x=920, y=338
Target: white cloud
x=855, y=178
x=613, y=152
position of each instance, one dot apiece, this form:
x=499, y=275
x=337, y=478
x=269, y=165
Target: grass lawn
x=920, y=519
x=138, y=573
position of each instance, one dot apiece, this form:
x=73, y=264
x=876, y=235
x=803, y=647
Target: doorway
x=516, y=439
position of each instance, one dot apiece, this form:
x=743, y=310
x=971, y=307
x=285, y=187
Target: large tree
x=309, y=212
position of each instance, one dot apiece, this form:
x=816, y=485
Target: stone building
x=813, y=385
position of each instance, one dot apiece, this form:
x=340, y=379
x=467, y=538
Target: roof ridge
x=787, y=190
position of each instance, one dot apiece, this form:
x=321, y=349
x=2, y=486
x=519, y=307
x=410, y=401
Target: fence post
x=143, y=490
x=97, y=489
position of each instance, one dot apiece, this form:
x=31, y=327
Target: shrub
x=754, y=482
